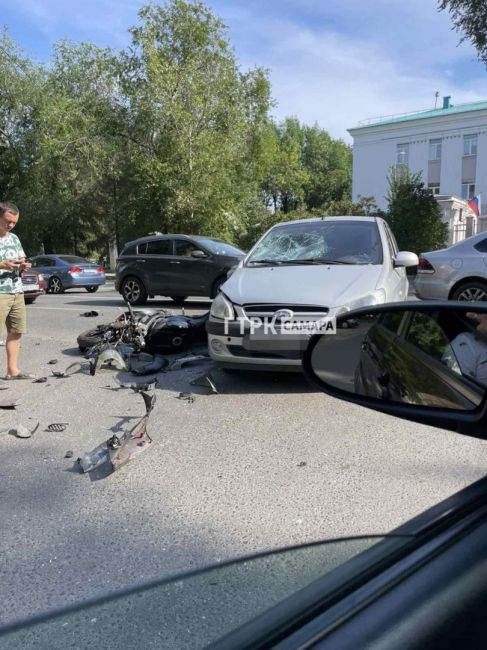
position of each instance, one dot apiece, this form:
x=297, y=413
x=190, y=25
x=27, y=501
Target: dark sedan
x=69, y=272
x=177, y=266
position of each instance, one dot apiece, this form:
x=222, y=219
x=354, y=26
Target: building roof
x=421, y=115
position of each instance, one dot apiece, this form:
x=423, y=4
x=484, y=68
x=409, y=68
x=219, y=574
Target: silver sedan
x=455, y=273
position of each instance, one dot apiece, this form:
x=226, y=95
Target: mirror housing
x=400, y=378
x=406, y=258
x=199, y=255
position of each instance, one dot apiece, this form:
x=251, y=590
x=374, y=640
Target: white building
x=448, y=145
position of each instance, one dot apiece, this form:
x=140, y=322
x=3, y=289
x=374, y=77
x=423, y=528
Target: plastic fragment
x=179, y=363
x=205, y=381
x=40, y=380
x=68, y=454
x=9, y=403
x=187, y=397
x=57, y=426
x=52, y=362
x=107, y=355
x=23, y=432
x=90, y=314
x=156, y=365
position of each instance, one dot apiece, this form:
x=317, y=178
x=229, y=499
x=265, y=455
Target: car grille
x=240, y=351
x=29, y=279
x=301, y=312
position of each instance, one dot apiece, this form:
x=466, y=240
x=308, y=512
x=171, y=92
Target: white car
x=303, y=271
x=455, y=273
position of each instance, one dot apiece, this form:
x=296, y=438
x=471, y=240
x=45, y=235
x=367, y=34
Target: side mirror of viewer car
x=423, y=361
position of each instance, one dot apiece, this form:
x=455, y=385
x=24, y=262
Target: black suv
x=174, y=265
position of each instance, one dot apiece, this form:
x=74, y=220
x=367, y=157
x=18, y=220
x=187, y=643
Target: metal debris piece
x=156, y=365
x=303, y=463
x=187, y=397
x=57, y=426
x=9, y=403
x=68, y=454
x=119, y=449
x=40, y=380
x=52, y=362
x=177, y=364
x=107, y=355
x=206, y=381
x=90, y=314
x=70, y=370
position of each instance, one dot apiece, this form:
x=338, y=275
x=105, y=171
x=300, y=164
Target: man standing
x=12, y=305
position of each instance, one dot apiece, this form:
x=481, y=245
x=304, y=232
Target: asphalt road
x=267, y=463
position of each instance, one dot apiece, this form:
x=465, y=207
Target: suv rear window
x=130, y=250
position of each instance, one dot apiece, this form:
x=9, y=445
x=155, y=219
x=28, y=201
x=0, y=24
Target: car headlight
x=40, y=276
x=377, y=297
x=222, y=308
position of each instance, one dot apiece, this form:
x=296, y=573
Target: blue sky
x=333, y=62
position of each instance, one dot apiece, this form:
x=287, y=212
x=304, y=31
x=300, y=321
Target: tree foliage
x=413, y=213
x=168, y=134
x=470, y=18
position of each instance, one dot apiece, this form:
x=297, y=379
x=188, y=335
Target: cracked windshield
x=243, y=322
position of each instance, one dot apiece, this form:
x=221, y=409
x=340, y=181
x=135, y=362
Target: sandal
x=20, y=375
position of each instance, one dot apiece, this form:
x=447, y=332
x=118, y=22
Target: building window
x=402, y=154
x=434, y=188
x=435, y=149
x=470, y=145
x=468, y=191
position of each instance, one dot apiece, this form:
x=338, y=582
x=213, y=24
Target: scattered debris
x=9, y=403
x=90, y=314
x=57, y=426
x=23, y=432
x=187, y=397
x=107, y=355
x=303, y=463
x=52, y=362
x=39, y=380
x=69, y=454
x=119, y=450
x=156, y=365
x=70, y=370
x=183, y=361
x=206, y=381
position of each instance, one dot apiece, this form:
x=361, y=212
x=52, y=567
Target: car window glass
x=159, y=247
x=391, y=320
x=481, y=246
x=425, y=334
x=220, y=247
x=38, y=262
x=185, y=248
x=73, y=259
x=132, y=250
x=348, y=242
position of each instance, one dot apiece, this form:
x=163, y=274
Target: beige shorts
x=13, y=316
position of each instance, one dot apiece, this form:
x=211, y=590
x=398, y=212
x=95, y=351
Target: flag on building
x=474, y=205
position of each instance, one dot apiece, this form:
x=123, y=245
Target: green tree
x=413, y=213
x=469, y=17
x=192, y=120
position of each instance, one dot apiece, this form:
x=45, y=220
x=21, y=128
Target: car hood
x=321, y=285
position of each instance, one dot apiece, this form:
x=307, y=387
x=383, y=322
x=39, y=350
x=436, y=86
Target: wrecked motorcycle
x=154, y=332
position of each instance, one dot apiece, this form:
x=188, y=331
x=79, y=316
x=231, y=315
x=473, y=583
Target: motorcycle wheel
x=90, y=337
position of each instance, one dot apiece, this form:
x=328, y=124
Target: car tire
x=178, y=298
x=216, y=286
x=55, y=285
x=133, y=291
x=471, y=291
x=29, y=301
x=92, y=289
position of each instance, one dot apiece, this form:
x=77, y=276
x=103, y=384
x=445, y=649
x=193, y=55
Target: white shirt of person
x=471, y=354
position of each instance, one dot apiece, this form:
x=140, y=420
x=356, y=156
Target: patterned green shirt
x=10, y=249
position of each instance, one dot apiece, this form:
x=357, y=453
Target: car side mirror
x=425, y=362
x=405, y=258
x=199, y=255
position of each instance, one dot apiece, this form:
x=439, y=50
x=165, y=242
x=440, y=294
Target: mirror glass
x=432, y=357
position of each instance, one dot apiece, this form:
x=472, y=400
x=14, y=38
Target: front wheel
x=92, y=289
x=471, y=292
x=91, y=337
x=55, y=285
x=133, y=291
